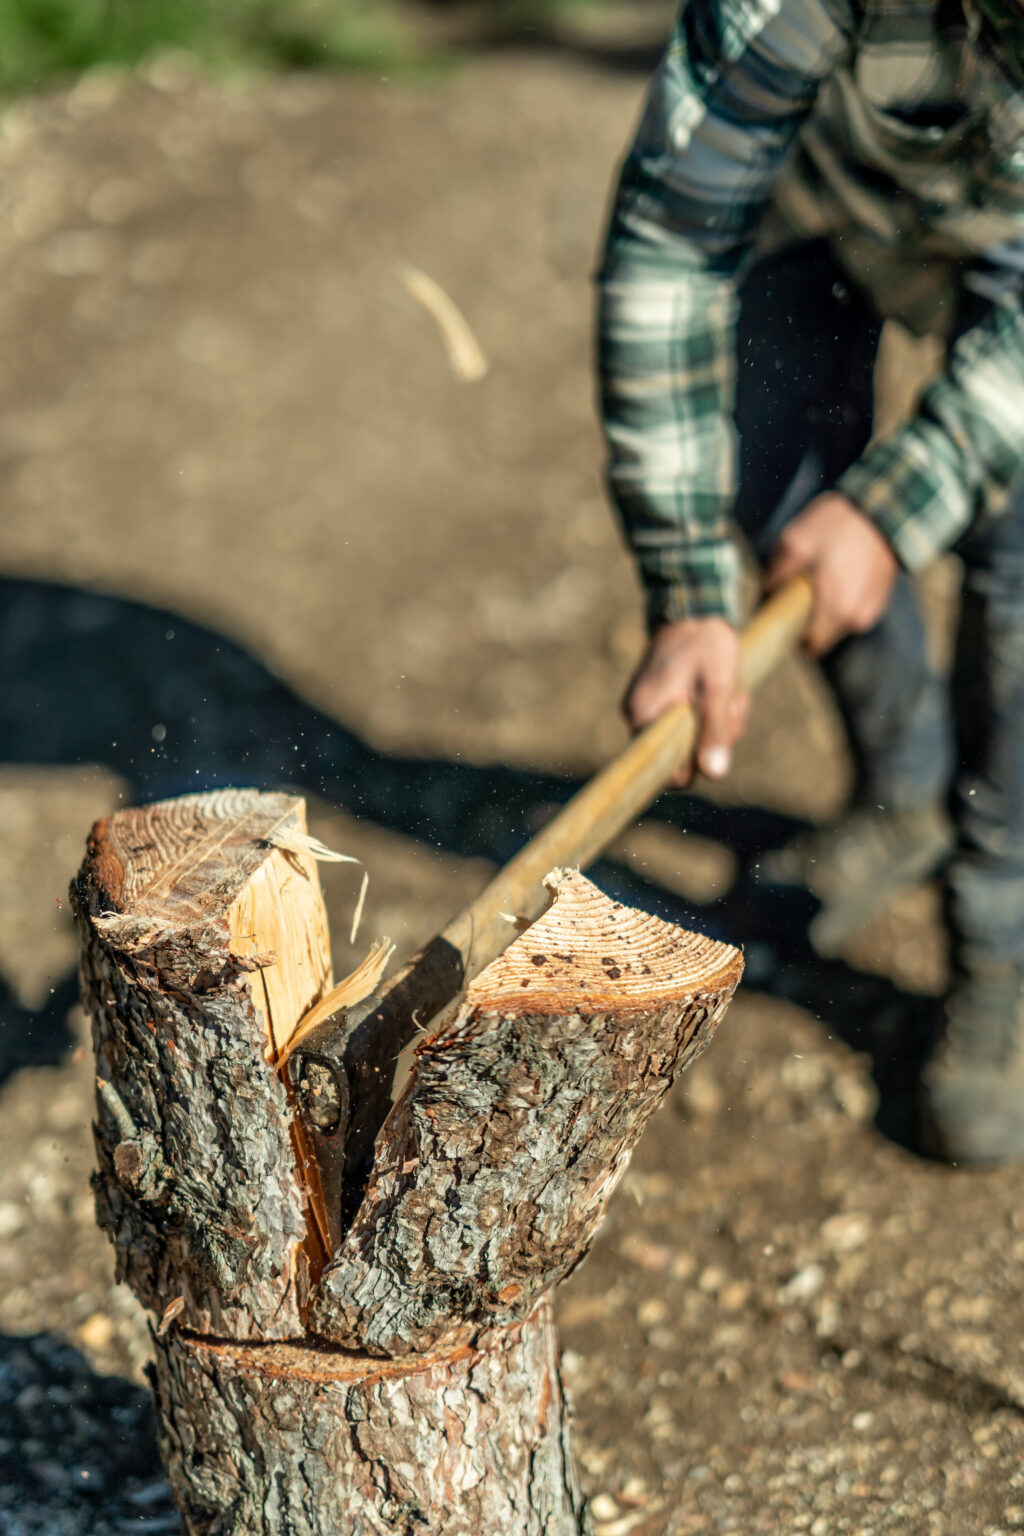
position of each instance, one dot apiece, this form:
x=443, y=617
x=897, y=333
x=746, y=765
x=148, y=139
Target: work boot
x=854, y=866
x=971, y=1094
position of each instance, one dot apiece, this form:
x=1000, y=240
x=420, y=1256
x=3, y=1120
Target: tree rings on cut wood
x=204, y=943
x=464, y=1443
x=494, y=1168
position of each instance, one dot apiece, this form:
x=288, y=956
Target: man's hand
x=695, y=661
x=850, y=562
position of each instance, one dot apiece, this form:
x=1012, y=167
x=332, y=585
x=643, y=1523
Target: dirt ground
x=256, y=531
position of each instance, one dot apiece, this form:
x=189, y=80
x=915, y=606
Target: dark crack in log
x=418, y=991
x=263, y=1440
x=494, y=1168
x=201, y=944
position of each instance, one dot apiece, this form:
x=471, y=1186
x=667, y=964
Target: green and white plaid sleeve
x=960, y=456
x=667, y=390
x=737, y=82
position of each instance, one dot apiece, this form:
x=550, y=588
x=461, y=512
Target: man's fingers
x=791, y=559
x=692, y=661
x=654, y=690
x=823, y=632
x=850, y=561
x=740, y=713
x=649, y=699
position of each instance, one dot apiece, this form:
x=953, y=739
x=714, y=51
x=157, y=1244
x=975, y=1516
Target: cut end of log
x=590, y=954
x=233, y=858
x=153, y=857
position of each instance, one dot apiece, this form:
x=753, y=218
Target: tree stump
x=290, y=1438
x=407, y=1382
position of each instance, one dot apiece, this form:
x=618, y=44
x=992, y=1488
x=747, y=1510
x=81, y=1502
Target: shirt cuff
x=696, y=582
x=919, y=511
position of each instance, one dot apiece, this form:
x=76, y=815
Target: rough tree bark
x=412, y=1384
x=282, y=1439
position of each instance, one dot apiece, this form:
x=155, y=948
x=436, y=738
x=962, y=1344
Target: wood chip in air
x=290, y=841
x=357, y=915
x=465, y=354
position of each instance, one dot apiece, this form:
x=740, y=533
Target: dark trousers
x=807, y=345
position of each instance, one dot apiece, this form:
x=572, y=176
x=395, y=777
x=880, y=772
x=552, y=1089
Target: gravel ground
x=256, y=531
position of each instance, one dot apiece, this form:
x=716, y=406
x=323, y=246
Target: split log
x=204, y=944
x=494, y=1169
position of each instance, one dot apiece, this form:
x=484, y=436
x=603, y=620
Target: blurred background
x=263, y=525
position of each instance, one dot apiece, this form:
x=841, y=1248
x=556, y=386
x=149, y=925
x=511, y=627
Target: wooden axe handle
x=610, y=801
x=368, y=1044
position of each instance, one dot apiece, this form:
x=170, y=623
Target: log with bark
x=492, y=1172
x=406, y=1380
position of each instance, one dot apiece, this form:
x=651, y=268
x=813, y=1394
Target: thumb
x=718, y=731
x=787, y=560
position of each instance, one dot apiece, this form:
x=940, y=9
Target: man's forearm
x=961, y=455
x=665, y=351
x=739, y=78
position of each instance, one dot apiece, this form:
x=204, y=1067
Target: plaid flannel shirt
x=894, y=128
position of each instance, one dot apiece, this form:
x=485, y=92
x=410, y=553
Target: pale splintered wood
x=179, y=863
x=460, y=1443
x=204, y=944
x=495, y=1166
x=279, y=913
x=278, y=921
x=357, y=985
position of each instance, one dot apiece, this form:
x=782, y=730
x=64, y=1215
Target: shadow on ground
x=35, y=1037
x=78, y=1452
x=632, y=46
x=639, y=58
x=172, y=707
